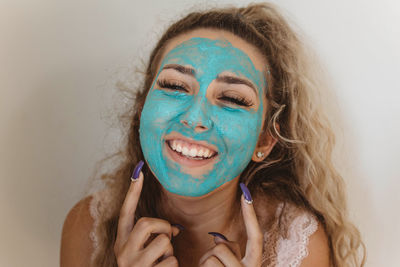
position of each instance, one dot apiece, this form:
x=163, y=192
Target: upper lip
x=176, y=136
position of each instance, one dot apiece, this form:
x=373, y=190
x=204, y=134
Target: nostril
x=197, y=126
x=200, y=128
x=186, y=123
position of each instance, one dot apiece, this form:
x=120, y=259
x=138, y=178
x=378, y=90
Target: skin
x=141, y=244
x=204, y=97
x=212, y=211
x=131, y=248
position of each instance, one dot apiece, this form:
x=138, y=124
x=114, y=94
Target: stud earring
x=260, y=154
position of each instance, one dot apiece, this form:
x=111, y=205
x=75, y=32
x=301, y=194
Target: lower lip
x=185, y=160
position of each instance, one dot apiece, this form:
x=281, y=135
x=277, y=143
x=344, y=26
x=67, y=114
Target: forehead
x=223, y=42
x=210, y=58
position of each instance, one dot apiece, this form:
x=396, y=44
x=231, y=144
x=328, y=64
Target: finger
x=254, y=235
x=212, y=261
x=171, y=261
x=177, y=228
x=160, y=247
x=223, y=253
x=144, y=228
x=127, y=213
x=233, y=246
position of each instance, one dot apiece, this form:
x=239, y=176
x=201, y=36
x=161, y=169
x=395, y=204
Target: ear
x=266, y=144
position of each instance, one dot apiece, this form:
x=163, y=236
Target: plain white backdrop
x=59, y=61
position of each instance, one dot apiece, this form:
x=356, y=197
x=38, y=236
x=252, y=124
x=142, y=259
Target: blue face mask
x=232, y=129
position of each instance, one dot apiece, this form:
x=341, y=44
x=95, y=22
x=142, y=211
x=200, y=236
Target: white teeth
x=185, y=151
x=173, y=145
x=178, y=147
x=200, y=153
x=193, y=152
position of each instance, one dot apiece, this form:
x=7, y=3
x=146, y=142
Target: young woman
x=232, y=153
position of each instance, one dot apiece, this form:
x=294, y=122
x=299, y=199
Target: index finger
x=128, y=209
x=254, y=243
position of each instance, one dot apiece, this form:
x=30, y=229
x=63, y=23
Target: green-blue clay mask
x=233, y=130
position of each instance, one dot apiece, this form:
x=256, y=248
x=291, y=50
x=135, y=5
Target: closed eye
x=172, y=85
x=236, y=100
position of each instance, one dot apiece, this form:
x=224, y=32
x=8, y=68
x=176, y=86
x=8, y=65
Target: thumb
x=233, y=246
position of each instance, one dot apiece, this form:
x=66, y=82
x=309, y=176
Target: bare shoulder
x=318, y=249
x=76, y=245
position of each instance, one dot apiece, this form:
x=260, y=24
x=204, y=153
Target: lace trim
x=292, y=249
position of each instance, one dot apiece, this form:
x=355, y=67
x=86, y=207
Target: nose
x=196, y=117
x=198, y=127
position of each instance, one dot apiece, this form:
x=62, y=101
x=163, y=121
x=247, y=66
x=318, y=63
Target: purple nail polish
x=246, y=193
x=179, y=226
x=219, y=235
x=137, y=169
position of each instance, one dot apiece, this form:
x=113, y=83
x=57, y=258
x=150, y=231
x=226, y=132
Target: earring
x=260, y=154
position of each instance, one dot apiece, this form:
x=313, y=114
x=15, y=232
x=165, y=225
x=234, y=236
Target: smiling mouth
x=190, y=151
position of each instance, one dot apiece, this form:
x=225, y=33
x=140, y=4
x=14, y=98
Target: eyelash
x=237, y=100
x=172, y=85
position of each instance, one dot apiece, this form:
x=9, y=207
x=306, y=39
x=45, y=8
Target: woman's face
x=203, y=114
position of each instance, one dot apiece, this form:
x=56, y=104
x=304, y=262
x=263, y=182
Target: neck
x=213, y=212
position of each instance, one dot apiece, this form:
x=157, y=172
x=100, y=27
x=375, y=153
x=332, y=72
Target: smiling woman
x=229, y=139
x=198, y=99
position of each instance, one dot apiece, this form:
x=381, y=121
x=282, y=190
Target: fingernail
x=179, y=226
x=219, y=235
x=136, y=171
x=246, y=193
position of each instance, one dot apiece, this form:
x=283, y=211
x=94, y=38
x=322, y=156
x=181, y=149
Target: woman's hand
x=133, y=245
x=227, y=253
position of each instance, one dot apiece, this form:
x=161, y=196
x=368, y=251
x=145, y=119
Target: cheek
x=155, y=120
x=157, y=111
x=239, y=130
x=152, y=122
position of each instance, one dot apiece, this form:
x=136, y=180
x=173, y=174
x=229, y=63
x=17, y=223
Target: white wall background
x=59, y=61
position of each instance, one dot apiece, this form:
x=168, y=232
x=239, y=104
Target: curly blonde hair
x=299, y=169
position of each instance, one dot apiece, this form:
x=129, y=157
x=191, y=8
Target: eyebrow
x=236, y=80
x=181, y=69
x=220, y=78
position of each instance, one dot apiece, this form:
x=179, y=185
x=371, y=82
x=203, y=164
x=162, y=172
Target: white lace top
x=280, y=250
